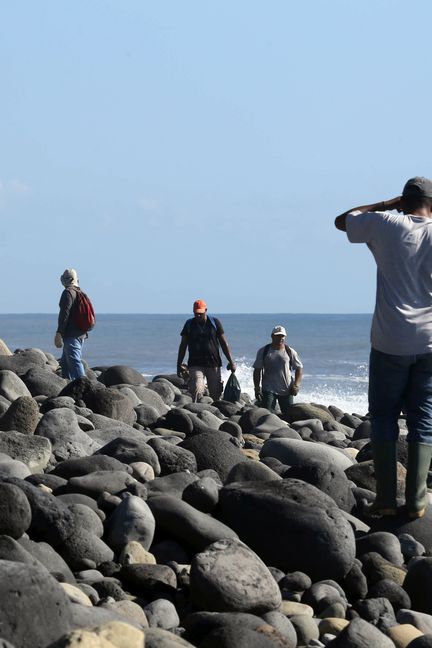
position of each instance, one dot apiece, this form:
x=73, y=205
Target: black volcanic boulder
x=420, y=529
x=130, y=450
x=290, y=525
x=214, y=450
x=112, y=403
x=121, y=375
x=187, y=525
x=85, y=465
x=330, y=480
x=359, y=634
x=418, y=584
x=35, y=610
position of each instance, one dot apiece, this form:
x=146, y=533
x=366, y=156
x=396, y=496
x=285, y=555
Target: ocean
x=334, y=349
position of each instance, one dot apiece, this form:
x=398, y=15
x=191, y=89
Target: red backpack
x=84, y=315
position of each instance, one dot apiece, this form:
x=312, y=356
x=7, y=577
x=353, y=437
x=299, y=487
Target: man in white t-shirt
x=400, y=368
x=275, y=363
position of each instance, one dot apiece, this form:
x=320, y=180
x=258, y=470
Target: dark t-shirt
x=203, y=342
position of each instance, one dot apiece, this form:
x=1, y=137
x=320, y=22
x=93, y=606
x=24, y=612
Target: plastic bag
x=232, y=389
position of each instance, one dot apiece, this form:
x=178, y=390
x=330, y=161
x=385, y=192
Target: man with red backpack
x=75, y=319
x=275, y=363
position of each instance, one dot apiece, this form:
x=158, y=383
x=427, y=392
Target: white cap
x=279, y=330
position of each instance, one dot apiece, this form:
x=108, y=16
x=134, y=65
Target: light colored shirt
x=402, y=248
x=277, y=369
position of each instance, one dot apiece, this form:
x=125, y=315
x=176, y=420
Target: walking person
x=400, y=367
x=273, y=367
x=76, y=318
x=202, y=335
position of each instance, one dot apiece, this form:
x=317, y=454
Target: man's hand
x=294, y=389
x=58, y=340
x=231, y=366
x=182, y=370
x=258, y=393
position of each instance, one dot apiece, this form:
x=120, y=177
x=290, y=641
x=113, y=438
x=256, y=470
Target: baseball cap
x=278, y=330
x=418, y=187
x=199, y=306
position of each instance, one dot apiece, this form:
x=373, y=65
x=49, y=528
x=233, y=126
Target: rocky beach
x=132, y=517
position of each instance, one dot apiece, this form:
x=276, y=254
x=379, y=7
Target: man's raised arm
x=384, y=205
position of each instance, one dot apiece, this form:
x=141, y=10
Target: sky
x=176, y=150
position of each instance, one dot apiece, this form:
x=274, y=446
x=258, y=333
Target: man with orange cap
x=201, y=336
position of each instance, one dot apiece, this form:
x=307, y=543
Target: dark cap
x=418, y=187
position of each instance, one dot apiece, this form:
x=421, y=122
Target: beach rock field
x=131, y=517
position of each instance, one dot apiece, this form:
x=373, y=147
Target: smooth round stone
x=331, y=625
x=130, y=520
x=95, y=483
x=392, y=592
x=361, y=633
x=43, y=612
x=384, y=543
x=13, y=468
x=420, y=620
x=375, y=567
x=377, y=611
x=292, y=608
x=173, y=458
x=11, y=385
x=214, y=450
x=87, y=519
x=295, y=582
x=76, y=595
x=186, y=524
x=251, y=471
x=61, y=427
x=331, y=480
x=162, y=614
x=129, y=450
x=121, y=375
x=80, y=466
x=142, y=471
x=223, y=578
x=33, y=451
x=306, y=629
x=111, y=634
x=128, y=609
x=410, y=547
x=295, y=453
x=202, y=494
x=133, y=553
x=403, y=635
x=22, y=416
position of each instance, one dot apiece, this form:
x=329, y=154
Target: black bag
x=232, y=389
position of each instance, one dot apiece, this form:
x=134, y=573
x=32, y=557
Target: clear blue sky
x=175, y=149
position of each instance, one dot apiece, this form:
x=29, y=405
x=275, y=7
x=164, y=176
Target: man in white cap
x=400, y=366
x=68, y=335
x=274, y=364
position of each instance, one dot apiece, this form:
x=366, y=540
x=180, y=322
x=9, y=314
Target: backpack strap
x=287, y=349
x=192, y=319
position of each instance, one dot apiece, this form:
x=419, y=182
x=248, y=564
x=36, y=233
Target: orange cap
x=199, y=306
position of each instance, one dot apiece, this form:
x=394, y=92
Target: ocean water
x=334, y=348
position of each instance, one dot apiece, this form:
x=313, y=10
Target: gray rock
x=214, y=450
x=43, y=614
x=294, y=453
x=160, y=638
x=164, y=389
x=43, y=381
x=15, y=511
x=186, y=524
x=174, y=484
x=49, y=558
x=360, y=633
x=283, y=625
x=229, y=577
x=61, y=427
x=150, y=398
x=382, y=542
x=11, y=385
x=22, y=416
x=419, y=620
x=130, y=450
x=79, y=466
x=410, y=547
x=377, y=611
x=111, y=403
x=121, y=375
x=330, y=479
x=202, y=494
x=289, y=524
x=23, y=360
x=146, y=415
x=172, y=458
x=162, y=614
x=131, y=520
x=305, y=627
x=99, y=481
x=305, y=411
x=85, y=518
x=83, y=550
x=389, y=590
x=13, y=468
x=251, y=471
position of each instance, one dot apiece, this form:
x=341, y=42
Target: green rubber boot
x=384, y=456
x=419, y=459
